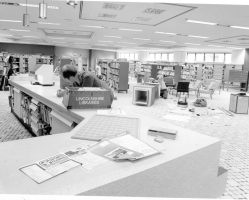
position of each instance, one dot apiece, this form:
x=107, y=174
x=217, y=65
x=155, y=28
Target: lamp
x=42, y=10
x=26, y=17
x=72, y=3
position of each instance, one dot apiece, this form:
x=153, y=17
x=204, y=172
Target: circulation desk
x=186, y=167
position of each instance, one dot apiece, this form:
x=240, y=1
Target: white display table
x=187, y=166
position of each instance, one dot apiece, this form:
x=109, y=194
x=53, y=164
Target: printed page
x=134, y=144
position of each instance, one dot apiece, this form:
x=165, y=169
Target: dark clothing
x=10, y=72
x=87, y=79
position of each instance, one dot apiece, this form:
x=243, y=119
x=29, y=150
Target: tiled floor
x=233, y=131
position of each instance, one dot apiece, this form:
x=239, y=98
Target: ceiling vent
x=105, y=15
x=153, y=11
x=113, y=6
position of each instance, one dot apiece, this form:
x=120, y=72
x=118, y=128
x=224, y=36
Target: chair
x=211, y=88
x=182, y=87
x=169, y=82
x=195, y=87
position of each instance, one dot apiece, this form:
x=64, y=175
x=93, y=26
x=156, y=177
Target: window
x=171, y=57
x=136, y=56
x=129, y=56
x=191, y=57
x=158, y=57
x=219, y=57
x=199, y=57
x=151, y=57
x=228, y=58
x=209, y=57
x=164, y=56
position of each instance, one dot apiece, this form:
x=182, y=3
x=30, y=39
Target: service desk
x=186, y=167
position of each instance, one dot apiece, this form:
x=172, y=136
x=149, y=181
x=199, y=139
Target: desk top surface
x=19, y=153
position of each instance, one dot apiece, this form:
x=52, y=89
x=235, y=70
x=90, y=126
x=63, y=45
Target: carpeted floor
x=233, y=131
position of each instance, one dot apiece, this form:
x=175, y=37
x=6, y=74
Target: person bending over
x=82, y=79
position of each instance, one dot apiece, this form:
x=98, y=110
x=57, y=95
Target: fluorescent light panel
x=167, y=41
x=215, y=46
x=20, y=30
x=129, y=29
x=201, y=22
x=36, y=6
x=159, y=32
x=49, y=23
x=140, y=39
x=104, y=41
x=126, y=42
x=5, y=35
x=30, y=36
x=88, y=26
x=192, y=43
x=10, y=20
x=240, y=27
x=234, y=48
x=56, y=38
x=197, y=36
x=112, y=36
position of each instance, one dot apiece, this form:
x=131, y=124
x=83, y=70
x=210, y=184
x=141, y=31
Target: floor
x=232, y=130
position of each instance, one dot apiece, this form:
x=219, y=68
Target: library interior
x=134, y=99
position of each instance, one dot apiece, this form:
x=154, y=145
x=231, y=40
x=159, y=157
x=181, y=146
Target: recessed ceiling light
x=112, y=36
x=129, y=29
x=215, y=46
x=140, y=38
x=192, y=43
x=240, y=27
x=104, y=41
x=20, y=30
x=197, y=36
x=159, y=32
x=88, y=26
x=10, y=20
x=167, y=41
x=201, y=22
x=49, y=23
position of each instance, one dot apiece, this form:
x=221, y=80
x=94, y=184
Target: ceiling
x=107, y=25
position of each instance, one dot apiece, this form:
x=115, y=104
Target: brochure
x=125, y=147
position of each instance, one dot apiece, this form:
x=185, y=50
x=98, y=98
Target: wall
x=100, y=54
x=27, y=49
x=81, y=55
x=180, y=56
x=238, y=57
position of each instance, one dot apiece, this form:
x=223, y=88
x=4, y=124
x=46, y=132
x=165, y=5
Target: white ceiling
x=71, y=27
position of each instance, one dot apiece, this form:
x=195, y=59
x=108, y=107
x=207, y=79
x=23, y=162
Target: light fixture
x=88, y=26
x=57, y=38
x=215, y=46
x=5, y=35
x=10, y=20
x=72, y=3
x=37, y=6
x=129, y=29
x=26, y=17
x=112, y=36
x=159, y=32
x=48, y=23
x=235, y=48
x=42, y=10
x=192, y=43
x=140, y=38
x=20, y=30
x=30, y=36
x=201, y=22
x=104, y=41
x=197, y=36
x=126, y=42
x=240, y=27
x=167, y=41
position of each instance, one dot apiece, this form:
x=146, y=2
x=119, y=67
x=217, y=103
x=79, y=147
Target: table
x=186, y=167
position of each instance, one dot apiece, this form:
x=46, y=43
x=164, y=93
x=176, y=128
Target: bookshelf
x=119, y=72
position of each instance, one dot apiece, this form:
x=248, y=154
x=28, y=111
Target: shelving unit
x=119, y=72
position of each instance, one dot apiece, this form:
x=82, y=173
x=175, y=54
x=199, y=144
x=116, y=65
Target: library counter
x=186, y=167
